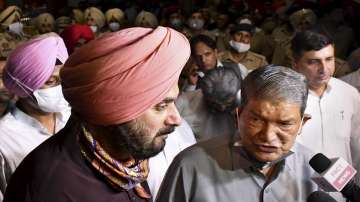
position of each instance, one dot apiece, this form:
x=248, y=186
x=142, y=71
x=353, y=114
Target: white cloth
x=177, y=141
x=19, y=135
x=353, y=79
x=334, y=128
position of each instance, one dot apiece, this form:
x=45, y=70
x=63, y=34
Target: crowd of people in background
x=228, y=40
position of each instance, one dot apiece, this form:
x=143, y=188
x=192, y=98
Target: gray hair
x=275, y=83
x=220, y=83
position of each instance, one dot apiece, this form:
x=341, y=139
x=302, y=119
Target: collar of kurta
x=254, y=164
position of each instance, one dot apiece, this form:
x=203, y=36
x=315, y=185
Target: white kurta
x=177, y=141
x=19, y=135
x=334, y=128
x=353, y=79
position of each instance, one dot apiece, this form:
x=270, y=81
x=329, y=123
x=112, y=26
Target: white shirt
x=19, y=135
x=177, y=141
x=334, y=128
x=353, y=79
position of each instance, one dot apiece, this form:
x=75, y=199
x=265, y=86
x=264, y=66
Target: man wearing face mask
x=95, y=19
x=241, y=35
x=195, y=26
x=41, y=109
x=115, y=19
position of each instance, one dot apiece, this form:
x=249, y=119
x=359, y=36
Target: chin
x=266, y=157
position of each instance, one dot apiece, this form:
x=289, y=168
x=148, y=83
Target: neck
x=268, y=172
x=46, y=119
x=238, y=56
x=100, y=133
x=319, y=91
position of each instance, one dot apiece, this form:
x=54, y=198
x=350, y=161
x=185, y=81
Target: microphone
x=335, y=175
x=319, y=196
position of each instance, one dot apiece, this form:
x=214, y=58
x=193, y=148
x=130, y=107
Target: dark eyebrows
x=167, y=100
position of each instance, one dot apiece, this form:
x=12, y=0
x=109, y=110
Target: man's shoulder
x=201, y=152
x=340, y=86
x=255, y=56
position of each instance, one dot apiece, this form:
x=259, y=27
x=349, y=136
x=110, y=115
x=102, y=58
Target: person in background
x=95, y=18
x=62, y=22
x=76, y=36
x=45, y=23
x=241, y=35
x=262, y=162
x=115, y=19
x=334, y=106
x=78, y=16
x=210, y=109
x=205, y=54
x=146, y=19
x=195, y=25
x=40, y=110
x=11, y=30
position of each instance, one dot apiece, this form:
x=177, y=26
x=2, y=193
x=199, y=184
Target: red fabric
x=73, y=33
x=118, y=76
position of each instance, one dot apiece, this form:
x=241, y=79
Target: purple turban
x=32, y=63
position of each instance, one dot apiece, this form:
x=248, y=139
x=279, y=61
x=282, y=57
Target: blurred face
x=145, y=136
x=205, y=57
x=268, y=129
x=197, y=15
x=222, y=21
x=6, y=46
x=46, y=27
x=91, y=21
x=317, y=66
x=242, y=36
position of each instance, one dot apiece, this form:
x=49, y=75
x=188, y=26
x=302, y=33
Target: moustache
x=167, y=130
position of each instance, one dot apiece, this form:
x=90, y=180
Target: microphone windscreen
x=319, y=196
x=320, y=162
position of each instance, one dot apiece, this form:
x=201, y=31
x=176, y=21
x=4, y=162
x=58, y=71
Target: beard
x=137, y=139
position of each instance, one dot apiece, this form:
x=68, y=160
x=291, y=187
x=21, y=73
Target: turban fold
x=97, y=15
x=118, y=76
x=10, y=15
x=32, y=63
x=73, y=33
x=116, y=14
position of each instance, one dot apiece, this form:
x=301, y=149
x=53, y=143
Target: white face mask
x=239, y=47
x=51, y=99
x=176, y=22
x=114, y=26
x=16, y=28
x=94, y=28
x=196, y=24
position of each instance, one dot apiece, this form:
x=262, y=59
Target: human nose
x=174, y=117
x=322, y=66
x=269, y=133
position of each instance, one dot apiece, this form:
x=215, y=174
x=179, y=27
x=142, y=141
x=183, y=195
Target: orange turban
x=117, y=77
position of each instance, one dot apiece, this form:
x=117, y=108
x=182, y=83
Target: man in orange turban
x=121, y=88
